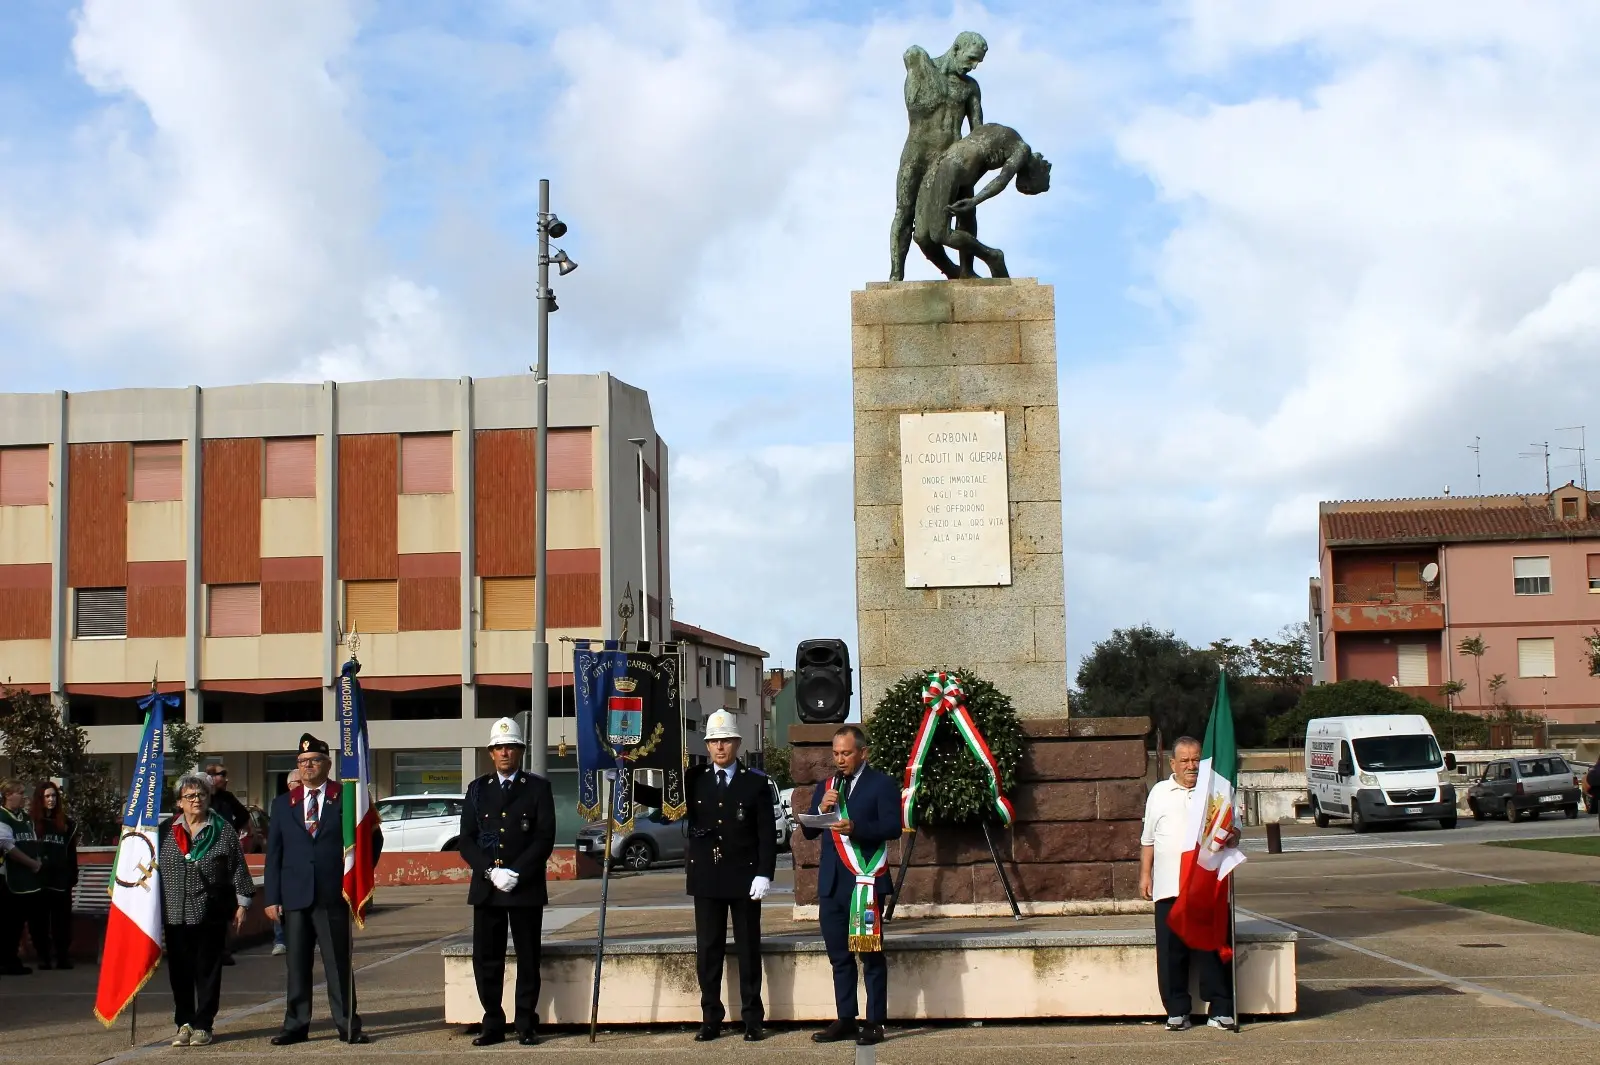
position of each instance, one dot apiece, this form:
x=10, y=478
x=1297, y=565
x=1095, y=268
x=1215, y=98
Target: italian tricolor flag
x=1203, y=915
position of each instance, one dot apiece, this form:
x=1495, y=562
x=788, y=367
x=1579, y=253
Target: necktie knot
x=505, y=784
x=722, y=778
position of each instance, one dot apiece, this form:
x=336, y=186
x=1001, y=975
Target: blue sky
x=1301, y=250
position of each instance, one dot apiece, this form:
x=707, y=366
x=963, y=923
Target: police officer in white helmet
x=508, y=828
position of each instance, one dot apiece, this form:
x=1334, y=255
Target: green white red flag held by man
x=355, y=775
x=1203, y=914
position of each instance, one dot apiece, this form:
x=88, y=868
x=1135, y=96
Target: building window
x=24, y=476
x=371, y=606
x=1531, y=576
x=1594, y=573
x=292, y=468
x=425, y=464
x=157, y=473
x=234, y=610
x=727, y=671
x=1412, y=665
x=1569, y=509
x=424, y=772
x=716, y=672
x=570, y=453
x=508, y=603
x=99, y=613
x=1536, y=657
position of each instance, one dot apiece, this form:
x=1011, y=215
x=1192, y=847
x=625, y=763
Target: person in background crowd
x=51, y=924
x=227, y=806
x=1591, y=783
x=290, y=782
x=204, y=882
x=19, y=873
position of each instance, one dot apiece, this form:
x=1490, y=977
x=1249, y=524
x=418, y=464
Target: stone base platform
x=1009, y=974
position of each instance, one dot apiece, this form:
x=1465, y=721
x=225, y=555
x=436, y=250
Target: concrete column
x=608, y=538
x=59, y=464
x=465, y=502
x=192, y=631
x=469, y=765
x=328, y=500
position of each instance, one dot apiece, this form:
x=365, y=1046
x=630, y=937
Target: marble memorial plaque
x=954, y=505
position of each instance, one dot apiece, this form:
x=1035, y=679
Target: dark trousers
x=50, y=926
x=489, y=925
x=194, y=968
x=711, y=947
x=14, y=912
x=305, y=931
x=835, y=913
x=1172, y=971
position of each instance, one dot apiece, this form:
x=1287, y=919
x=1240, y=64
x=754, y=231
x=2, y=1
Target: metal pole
x=1005, y=881
x=538, y=738
x=350, y=983
x=605, y=884
x=908, y=844
x=644, y=551
x=1233, y=945
x=133, y=1019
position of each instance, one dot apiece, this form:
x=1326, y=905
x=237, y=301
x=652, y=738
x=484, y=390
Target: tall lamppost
x=638, y=443
x=538, y=737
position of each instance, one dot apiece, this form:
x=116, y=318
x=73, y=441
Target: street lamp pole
x=538, y=738
x=638, y=443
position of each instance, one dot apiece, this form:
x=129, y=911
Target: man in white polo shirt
x=1166, y=826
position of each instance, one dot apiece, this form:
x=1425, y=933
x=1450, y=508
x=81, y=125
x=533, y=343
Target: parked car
x=1524, y=787
x=653, y=839
x=1580, y=773
x=780, y=815
x=255, y=840
x=429, y=823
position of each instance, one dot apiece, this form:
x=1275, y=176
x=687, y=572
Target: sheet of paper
x=819, y=820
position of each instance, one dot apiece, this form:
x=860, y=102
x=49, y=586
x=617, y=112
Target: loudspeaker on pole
x=823, y=682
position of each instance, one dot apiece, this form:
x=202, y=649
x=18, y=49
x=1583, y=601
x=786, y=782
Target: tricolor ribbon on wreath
x=944, y=697
x=866, y=919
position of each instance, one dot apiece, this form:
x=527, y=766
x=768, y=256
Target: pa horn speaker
x=822, y=681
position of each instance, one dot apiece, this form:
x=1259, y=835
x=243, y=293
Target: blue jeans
x=277, y=933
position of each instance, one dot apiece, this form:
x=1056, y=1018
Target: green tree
x=1359, y=698
x=1497, y=684
x=184, y=743
x=775, y=763
x=1475, y=647
x=42, y=744
x=1450, y=689
x=1286, y=661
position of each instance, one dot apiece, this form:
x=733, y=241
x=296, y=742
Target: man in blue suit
x=305, y=890
x=873, y=804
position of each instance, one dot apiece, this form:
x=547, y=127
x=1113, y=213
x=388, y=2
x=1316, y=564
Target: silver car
x=653, y=839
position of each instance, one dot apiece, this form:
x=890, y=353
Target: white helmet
x=722, y=726
x=504, y=732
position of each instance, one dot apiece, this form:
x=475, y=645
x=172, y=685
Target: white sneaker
x=184, y=1036
x=1179, y=1024
x=1227, y=1023
x=200, y=1038
x=279, y=948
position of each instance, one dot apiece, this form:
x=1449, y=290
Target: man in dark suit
x=305, y=890
x=872, y=805
x=733, y=849
x=508, y=828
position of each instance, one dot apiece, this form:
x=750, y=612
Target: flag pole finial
x=353, y=641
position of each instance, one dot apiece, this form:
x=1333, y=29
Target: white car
x=430, y=823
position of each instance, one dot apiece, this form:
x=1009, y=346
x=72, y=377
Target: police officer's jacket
x=733, y=833
x=513, y=828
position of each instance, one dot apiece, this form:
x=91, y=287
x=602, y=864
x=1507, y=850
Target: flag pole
x=1233, y=956
x=133, y=1021
x=354, y=643
x=605, y=883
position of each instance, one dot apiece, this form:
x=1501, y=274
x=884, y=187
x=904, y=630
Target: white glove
x=503, y=879
x=758, y=887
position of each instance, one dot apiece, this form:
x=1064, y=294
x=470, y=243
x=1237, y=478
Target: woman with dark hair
x=51, y=921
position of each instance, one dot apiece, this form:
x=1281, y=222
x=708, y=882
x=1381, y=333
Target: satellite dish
x=1430, y=572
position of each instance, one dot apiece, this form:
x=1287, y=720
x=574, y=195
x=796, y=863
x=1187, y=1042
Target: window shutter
x=1531, y=567
x=1413, y=665
x=235, y=610
x=292, y=468
x=371, y=606
x=508, y=603
x=100, y=612
x=1537, y=657
x=425, y=464
x=571, y=456
x=24, y=476
x=157, y=472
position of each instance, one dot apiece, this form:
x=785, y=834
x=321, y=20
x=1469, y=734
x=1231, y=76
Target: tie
x=505, y=786
x=311, y=812
x=722, y=779
x=844, y=791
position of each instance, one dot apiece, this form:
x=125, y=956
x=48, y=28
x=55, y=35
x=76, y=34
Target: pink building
x=1403, y=582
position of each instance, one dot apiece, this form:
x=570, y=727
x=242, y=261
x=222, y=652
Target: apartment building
x=1403, y=582
x=223, y=540
x=722, y=674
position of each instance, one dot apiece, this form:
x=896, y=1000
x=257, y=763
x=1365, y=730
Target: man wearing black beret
x=305, y=890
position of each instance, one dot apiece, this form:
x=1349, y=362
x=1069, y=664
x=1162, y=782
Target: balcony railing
x=1385, y=592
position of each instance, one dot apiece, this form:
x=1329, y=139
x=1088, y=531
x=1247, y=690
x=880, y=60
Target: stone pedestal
x=1074, y=847
x=974, y=345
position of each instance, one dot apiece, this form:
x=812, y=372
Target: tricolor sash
x=866, y=923
x=943, y=697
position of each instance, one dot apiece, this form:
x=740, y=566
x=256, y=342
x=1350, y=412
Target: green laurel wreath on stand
x=956, y=788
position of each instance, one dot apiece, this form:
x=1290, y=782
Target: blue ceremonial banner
x=143, y=808
x=595, y=673
x=628, y=720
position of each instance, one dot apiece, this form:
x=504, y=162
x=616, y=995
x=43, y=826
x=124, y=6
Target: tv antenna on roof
x=1583, y=462
x=1476, y=447
x=1543, y=452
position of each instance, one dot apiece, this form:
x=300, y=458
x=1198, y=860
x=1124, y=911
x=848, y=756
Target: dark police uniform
x=510, y=825
x=733, y=838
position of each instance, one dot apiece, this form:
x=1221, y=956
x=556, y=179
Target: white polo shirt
x=1166, y=821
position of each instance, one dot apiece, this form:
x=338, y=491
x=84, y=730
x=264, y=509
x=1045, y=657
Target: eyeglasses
x=192, y=797
x=310, y=763
x=217, y=772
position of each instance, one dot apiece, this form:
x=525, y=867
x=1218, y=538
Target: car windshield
x=1395, y=753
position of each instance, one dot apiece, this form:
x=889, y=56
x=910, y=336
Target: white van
x=1384, y=767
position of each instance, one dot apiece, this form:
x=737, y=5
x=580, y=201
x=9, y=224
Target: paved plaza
x=1383, y=978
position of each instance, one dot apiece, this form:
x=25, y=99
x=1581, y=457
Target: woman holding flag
x=204, y=884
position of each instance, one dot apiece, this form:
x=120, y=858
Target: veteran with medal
x=508, y=828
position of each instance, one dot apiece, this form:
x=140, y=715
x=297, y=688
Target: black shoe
x=360, y=1038
x=871, y=1035
x=528, y=1039
x=754, y=1033
x=837, y=1032
x=707, y=1033
x=489, y=1039
x=283, y=1039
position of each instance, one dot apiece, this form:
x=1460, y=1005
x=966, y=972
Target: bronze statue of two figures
x=935, y=204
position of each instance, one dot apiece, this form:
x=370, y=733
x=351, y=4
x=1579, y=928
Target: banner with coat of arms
x=629, y=719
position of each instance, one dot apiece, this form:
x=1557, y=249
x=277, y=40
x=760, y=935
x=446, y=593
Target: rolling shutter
x=571, y=457
x=235, y=610
x=371, y=606
x=157, y=472
x=1594, y=573
x=24, y=476
x=508, y=603
x=425, y=464
x=1412, y=669
x=292, y=468
x=99, y=612
x=1536, y=658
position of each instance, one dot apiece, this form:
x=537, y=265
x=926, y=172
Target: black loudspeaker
x=822, y=681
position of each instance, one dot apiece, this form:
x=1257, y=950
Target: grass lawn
x=1575, y=907
x=1589, y=845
